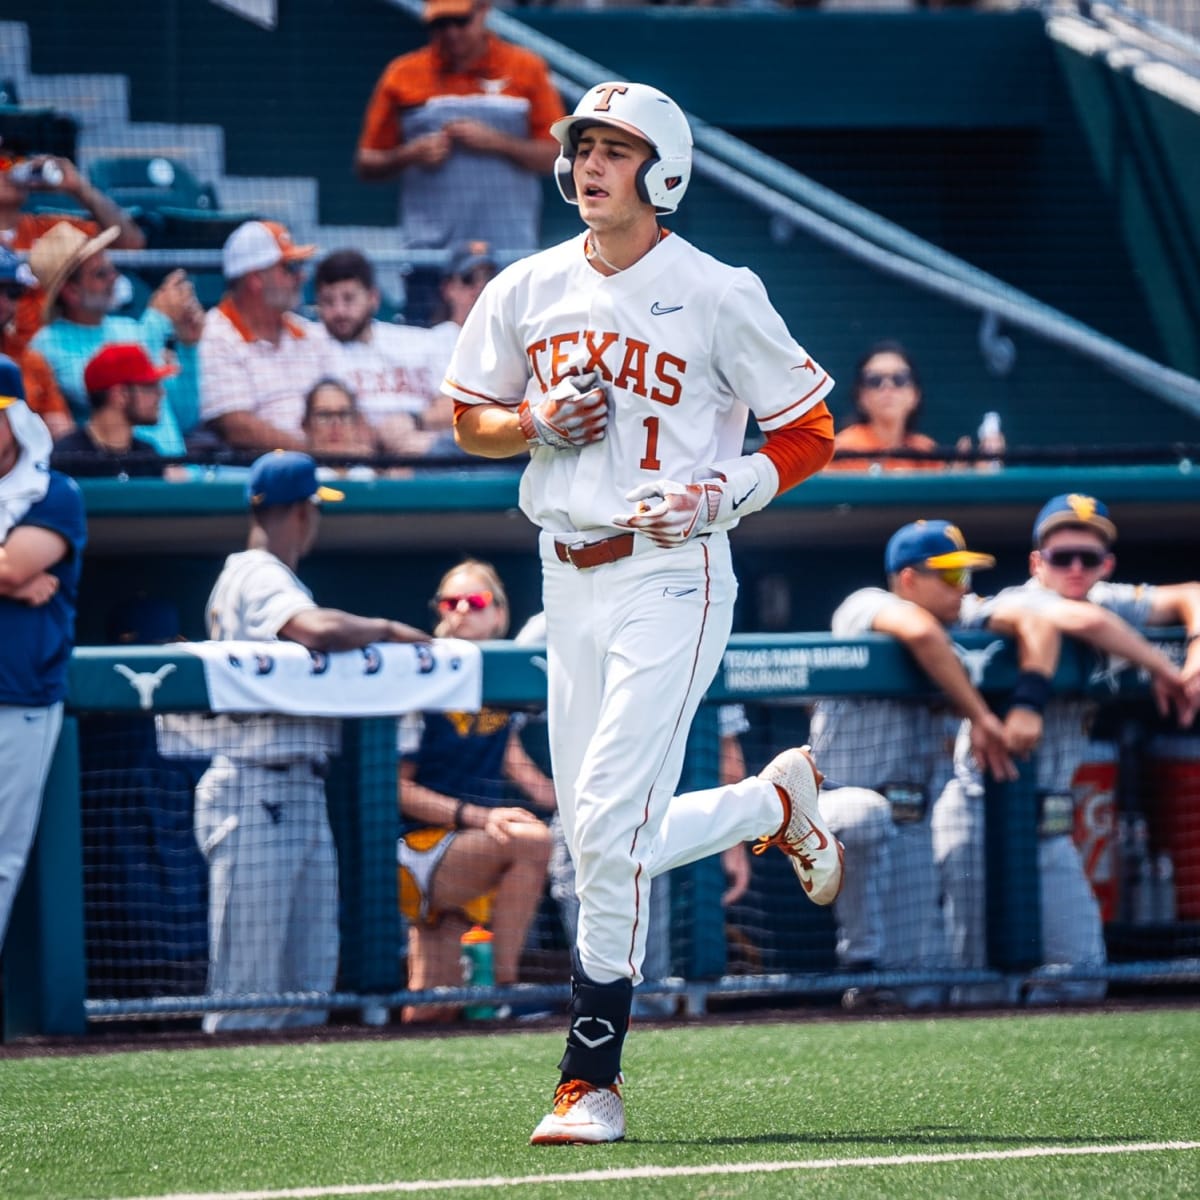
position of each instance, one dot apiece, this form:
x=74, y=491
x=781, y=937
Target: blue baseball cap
x=285, y=477
x=14, y=269
x=1074, y=508
x=466, y=256
x=934, y=544
x=12, y=385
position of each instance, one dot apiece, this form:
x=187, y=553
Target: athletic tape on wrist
x=1031, y=690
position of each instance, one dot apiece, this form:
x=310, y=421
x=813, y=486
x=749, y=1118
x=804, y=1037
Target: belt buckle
x=570, y=549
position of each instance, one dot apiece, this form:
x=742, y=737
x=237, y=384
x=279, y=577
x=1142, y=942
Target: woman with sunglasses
x=887, y=403
x=466, y=855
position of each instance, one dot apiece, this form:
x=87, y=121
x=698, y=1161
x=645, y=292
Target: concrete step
x=14, y=54
x=201, y=148
x=287, y=198
x=94, y=101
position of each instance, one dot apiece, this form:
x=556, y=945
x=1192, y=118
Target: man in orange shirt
x=19, y=230
x=464, y=121
x=41, y=388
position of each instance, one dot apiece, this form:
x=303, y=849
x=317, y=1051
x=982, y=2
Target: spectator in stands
x=465, y=122
x=42, y=535
x=467, y=855
x=336, y=430
x=78, y=281
x=41, y=389
x=19, y=230
x=1069, y=587
x=887, y=403
x=467, y=272
x=125, y=391
x=894, y=756
x=257, y=357
x=394, y=370
x=260, y=817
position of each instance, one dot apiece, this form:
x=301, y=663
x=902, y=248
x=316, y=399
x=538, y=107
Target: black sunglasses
x=876, y=379
x=1064, y=556
x=451, y=22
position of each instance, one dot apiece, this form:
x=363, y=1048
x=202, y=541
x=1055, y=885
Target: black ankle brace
x=599, y=1022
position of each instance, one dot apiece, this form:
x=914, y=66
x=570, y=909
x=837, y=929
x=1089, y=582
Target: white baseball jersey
x=398, y=369
x=689, y=345
x=871, y=742
x=260, y=822
x=254, y=597
x=889, y=910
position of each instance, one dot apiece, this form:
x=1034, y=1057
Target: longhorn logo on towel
x=976, y=661
x=145, y=683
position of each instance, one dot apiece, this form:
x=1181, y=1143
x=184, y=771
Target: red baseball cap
x=123, y=362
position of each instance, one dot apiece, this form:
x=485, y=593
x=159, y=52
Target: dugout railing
x=75, y=955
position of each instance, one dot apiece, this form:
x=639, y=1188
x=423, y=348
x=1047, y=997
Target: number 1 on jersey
x=650, y=461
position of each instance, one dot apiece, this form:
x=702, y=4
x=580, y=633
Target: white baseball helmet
x=640, y=109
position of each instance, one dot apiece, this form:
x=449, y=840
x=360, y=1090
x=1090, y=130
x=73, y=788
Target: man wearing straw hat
x=42, y=535
x=78, y=281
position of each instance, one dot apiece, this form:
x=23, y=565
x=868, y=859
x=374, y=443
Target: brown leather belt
x=585, y=555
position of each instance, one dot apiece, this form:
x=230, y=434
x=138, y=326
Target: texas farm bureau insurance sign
x=789, y=668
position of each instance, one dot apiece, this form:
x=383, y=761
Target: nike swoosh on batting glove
x=670, y=513
x=573, y=413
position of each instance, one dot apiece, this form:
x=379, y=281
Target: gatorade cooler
x=1095, y=789
x=1174, y=775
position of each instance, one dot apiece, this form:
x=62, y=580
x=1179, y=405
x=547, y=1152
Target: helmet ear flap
x=565, y=178
x=640, y=182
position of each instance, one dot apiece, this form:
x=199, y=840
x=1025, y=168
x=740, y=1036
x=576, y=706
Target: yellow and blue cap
x=285, y=477
x=938, y=545
x=1075, y=509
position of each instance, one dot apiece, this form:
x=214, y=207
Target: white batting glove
x=572, y=413
x=670, y=513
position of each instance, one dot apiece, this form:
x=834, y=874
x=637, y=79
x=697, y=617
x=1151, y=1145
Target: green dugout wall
x=43, y=965
x=383, y=549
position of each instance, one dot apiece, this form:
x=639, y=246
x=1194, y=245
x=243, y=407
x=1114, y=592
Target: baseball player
x=891, y=758
x=1069, y=569
x=625, y=362
x=260, y=818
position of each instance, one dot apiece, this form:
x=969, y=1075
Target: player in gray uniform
x=887, y=760
x=1069, y=567
x=260, y=818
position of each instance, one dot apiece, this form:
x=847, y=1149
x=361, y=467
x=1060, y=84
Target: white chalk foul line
x=404, y=1187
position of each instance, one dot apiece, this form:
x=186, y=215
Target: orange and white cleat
x=816, y=855
x=583, y=1115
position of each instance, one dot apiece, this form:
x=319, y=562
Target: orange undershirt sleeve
x=802, y=448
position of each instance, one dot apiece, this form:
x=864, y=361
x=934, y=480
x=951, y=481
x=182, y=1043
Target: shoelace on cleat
x=777, y=839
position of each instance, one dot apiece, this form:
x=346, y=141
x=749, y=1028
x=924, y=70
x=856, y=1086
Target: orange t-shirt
x=30, y=227
x=414, y=79
x=865, y=439
x=41, y=388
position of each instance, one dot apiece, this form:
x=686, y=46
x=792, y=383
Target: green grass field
x=715, y=1110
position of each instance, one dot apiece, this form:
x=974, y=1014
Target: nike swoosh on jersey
x=670, y=591
x=738, y=503
x=661, y=310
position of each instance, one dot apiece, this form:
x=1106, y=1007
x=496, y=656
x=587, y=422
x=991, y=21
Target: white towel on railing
x=29, y=479
x=379, y=680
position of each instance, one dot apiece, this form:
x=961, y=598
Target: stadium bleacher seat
x=150, y=182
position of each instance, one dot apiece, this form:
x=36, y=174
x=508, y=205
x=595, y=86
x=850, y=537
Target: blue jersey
x=36, y=642
x=461, y=754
